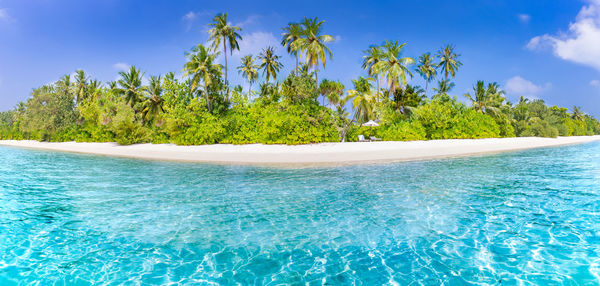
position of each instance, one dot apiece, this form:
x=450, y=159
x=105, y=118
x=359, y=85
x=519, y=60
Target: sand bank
x=312, y=154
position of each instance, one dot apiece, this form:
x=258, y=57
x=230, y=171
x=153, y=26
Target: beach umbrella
x=371, y=123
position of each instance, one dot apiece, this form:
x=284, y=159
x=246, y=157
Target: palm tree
x=154, y=101
x=393, y=65
x=332, y=90
x=291, y=33
x=269, y=63
x=201, y=66
x=249, y=70
x=486, y=100
x=408, y=98
x=444, y=87
x=362, y=99
x=223, y=32
x=130, y=85
x=372, y=56
x=64, y=84
x=313, y=46
x=427, y=69
x=94, y=88
x=81, y=82
x=578, y=114
x=449, y=62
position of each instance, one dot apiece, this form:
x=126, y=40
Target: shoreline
x=312, y=154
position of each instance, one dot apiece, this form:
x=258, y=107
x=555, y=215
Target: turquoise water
x=529, y=217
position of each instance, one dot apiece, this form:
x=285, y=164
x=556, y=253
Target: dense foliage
x=202, y=108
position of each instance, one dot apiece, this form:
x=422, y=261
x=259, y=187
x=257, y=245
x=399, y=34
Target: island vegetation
x=296, y=108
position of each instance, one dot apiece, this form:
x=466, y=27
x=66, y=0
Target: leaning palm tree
x=449, y=62
x=427, y=69
x=372, y=56
x=153, y=105
x=249, y=70
x=201, y=66
x=130, y=85
x=269, y=63
x=313, y=45
x=291, y=33
x=224, y=32
x=394, y=66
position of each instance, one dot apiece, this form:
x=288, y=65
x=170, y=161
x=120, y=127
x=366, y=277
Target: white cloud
x=190, y=17
x=251, y=20
x=337, y=38
x=595, y=83
x=4, y=16
x=518, y=86
x=253, y=43
x=524, y=18
x=121, y=66
x=581, y=44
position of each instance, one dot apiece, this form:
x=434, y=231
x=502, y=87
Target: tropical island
x=202, y=107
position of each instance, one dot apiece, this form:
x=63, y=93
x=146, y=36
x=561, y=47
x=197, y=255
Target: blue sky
x=535, y=48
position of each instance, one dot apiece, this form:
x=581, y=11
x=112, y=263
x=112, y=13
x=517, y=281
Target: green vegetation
x=202, y=108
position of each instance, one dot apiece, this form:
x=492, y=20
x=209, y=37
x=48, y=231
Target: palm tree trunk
x=207, y=98
x=225, y=54
x=426, y=84
x=296, y=71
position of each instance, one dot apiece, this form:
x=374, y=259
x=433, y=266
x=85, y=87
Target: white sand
x=313, y=154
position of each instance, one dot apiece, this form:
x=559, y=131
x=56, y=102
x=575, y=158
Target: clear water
x=528, y=217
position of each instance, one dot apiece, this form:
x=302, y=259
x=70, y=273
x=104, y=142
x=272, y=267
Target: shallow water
x=530, y=217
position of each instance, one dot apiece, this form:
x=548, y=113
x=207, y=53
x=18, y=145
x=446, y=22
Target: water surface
x=530, y=217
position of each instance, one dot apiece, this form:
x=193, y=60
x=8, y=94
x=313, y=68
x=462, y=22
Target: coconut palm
x=393, y=65
x=249, y=70
x=427, y=69
x=362, y=99
x=81, y=82
x=94, y=88
x=449, y=62
x=201, y=66
x=269, y=63
x=331, y=90
x=130, y=85
x=223, y=32
x=291, y=33
x=486, y=100
x=371, y=57
x=153, y=105
x=313, y=45
x=408, y=98
x=444, y=87
x=578, y=114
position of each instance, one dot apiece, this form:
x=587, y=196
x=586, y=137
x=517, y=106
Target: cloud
x=190, y=17
x=524, y=18
x=595, y=83
x=4, y=16
x=121, y=66
x=519, y=86
x=337, y=38
x=253, y=43
x=581, y=43
x=251, y=20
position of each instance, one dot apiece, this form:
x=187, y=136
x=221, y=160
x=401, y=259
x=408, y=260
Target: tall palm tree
x=201, y=66
x=224, y=32
x=427, y=69
x=130, y=85
x=291, y=33
x=371, y=57
x=64, y=85
x=393, y=65
x=81, y=82
x=249, y=70
x=313, y=45
x=269, y=63
x=449, y=62
x=94, y=88
x=362, y=99
x=153, y=104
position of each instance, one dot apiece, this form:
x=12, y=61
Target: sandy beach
x=313, y=154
